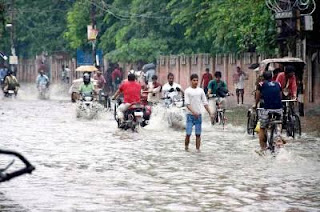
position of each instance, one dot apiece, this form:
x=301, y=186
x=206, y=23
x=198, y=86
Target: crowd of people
x=143, y=86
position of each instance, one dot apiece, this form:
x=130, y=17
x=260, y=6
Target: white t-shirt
x=155, y=91
x=196, y=98
x=240, y=84
x=167, y=87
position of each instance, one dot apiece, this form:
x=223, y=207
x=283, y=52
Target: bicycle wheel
x=249, y=124
x=115, y=112
x=222, y=120
x=297, y=125
x=271, y=139
x=290, y=126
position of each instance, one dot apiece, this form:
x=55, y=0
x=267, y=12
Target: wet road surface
x=90, y=165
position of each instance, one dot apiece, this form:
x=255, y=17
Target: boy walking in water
x=194, y=99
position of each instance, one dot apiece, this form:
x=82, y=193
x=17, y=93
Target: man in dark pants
x=206, y=78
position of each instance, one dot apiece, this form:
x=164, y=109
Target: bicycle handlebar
x=291, y=100
x=26, y=170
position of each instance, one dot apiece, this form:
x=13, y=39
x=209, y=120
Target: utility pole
x=14, y=59
x=93, y=23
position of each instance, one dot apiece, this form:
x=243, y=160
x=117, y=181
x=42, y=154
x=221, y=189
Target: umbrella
x=148, y=66
x=86, y=68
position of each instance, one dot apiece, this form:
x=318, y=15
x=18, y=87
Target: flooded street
x=91, y=165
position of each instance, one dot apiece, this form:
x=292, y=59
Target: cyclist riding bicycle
x=217, y=89
x=271, y=93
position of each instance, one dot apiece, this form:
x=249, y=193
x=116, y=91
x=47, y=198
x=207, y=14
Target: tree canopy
x=139, y=30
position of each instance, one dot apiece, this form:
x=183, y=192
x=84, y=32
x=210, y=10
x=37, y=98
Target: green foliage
x=139, y=30
x=39, y=26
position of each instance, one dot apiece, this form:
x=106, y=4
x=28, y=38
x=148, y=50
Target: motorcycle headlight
x=87, y=98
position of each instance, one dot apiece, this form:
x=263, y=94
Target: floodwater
x=90, y=165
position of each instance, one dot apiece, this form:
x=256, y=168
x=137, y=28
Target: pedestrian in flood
x=194, y=99
x=206, y=78
x=238, y=80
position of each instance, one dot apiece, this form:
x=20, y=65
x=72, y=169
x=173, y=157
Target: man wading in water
x=194, y=99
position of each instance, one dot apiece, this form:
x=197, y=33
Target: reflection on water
x=90, y=165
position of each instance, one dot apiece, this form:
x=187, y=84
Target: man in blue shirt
x=271, y=93
x=42, y=79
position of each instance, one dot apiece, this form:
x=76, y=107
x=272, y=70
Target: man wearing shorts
x=271, y=93
x=239, y=78
x=194, y=99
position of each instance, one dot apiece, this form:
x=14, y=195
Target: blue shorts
x=191, y=120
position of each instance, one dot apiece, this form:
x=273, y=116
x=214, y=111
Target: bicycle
x=219, y=117
x=291, y=120
x=274, y=128
x=6, y=176
x=253, y=118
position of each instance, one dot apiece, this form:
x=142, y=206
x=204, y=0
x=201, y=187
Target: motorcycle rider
x=154, y=89
x=217, y=88
x=171, y=89
x=131, y=92
x=10, y=83
x=42, y=79
x=87, y=88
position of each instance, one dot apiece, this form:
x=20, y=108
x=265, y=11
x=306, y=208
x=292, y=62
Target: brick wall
x=182, y=66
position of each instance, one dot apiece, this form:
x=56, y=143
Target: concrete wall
x=312, y=80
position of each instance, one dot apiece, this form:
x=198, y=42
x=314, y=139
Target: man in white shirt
x=154, y=89
x=194, y=99
x=239, y=78
x=171, y=88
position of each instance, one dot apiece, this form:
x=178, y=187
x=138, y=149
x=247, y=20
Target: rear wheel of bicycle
x=271, y=139
x=297, y=125
x=251, y=124
x=290, y=126
x=249, y=121
x=115, y=112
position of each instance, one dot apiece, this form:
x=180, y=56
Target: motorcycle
x=87, y=107
x=136, y=115
x=104, y=99
x=10, y=94
x=175, y=111
x=43, y=91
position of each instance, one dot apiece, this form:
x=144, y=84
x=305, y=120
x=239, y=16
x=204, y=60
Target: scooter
x=86, y=106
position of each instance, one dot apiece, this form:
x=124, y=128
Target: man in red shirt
x=206, y=77
x=288, y=82
x=131, y=92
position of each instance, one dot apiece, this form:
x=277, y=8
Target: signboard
x=13, y=60
x=284, y=15
x=92, y=33
x=85, y=58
